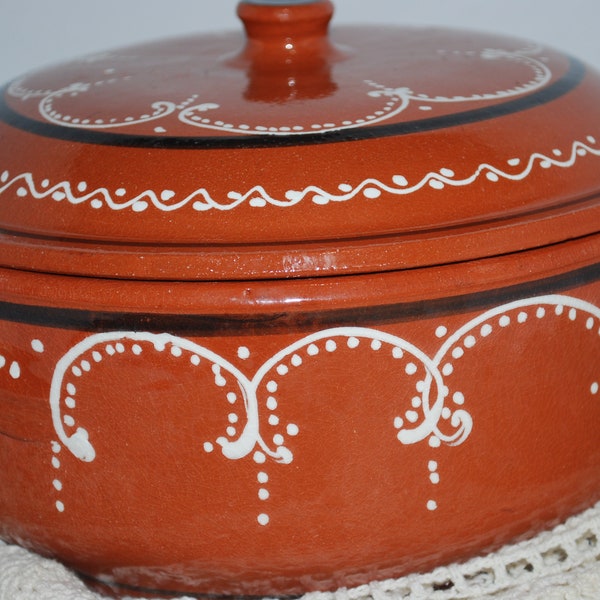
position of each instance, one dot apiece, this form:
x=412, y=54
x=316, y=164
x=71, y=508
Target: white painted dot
x=262, y=477
x=120, y=348
x=331, y=346
x=504, y=321
x=434, y=442
x=110, y=349
x=416, y=402
x=448, y=369
x=486, y=330
x=70, y=402
x=296, y=360
x=559, y=310
x=76, y=371
x=86, y=366
x=434, y=478
x=232, y=418
x=522, y=317
x=458, y=352
x=243, y=352
x=232, y=397
x=278, y=439
x=397, y=352
x=412, y=416
x=292, y=429
x=2, y=361
x=55, y=462
x=263, y=494
x=97, y=356
x=541, y=312
x=353, y=342
x=68, y=420
x=572, y=314
x=57, y=485
x=60, y=507
x=470, y=341
x=271, y=403
x=594, y=388
x=432, y=505
x=176, y=351
x=208, y=447
x=159, y=346
x=263, y=519
x=195, y=360
x=372, y=193
x=312, y=350
x=273, y=420
x=272, y=386
x=15, y=370
x=441, y=331
x=231, y=431
x=259, y=458
x=56, y=447
x=282, y=370
x=420, y=386
x=446, y=413
x=37, y=346
x=432, y=466
x=220, y=381
x=589, y=323
x=411, y=368
x=458, y=398
x=398, y=422
x=375, y=345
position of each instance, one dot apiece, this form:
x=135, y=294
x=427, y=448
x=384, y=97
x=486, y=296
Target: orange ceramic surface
x=297, y=311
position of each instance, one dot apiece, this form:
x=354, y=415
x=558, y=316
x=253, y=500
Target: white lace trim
x=562, y=564
x=567, y=556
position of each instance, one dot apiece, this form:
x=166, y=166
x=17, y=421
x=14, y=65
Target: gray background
x=35, y=33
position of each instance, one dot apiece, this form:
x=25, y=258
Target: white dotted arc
x=423, y=418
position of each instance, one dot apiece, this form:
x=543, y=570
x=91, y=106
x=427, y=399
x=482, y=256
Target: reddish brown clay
x=298, y=311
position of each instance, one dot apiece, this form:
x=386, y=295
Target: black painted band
x=567, y=83
x=228, y=325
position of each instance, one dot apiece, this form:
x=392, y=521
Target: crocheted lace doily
x=562, y=564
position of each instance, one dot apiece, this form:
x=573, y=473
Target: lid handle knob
x=286, y=32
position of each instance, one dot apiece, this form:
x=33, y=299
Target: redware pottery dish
x=297, y=310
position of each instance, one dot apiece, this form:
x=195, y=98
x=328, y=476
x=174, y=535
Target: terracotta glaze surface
x=294, y=310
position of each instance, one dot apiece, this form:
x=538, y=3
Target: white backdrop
x=35, y=33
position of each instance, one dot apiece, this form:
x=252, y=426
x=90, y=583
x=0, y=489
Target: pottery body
x=290, y=319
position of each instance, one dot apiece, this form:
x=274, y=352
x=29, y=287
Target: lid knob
x=288, y=54
x=283, y=33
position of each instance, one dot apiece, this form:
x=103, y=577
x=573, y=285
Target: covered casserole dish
x=297, y=311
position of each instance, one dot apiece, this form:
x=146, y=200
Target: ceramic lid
x=291, y=152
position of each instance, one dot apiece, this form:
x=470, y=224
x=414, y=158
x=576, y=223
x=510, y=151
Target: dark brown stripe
x=235, y=324
x=570, y=81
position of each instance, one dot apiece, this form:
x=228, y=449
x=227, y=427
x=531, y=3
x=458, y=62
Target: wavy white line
x=201, y=200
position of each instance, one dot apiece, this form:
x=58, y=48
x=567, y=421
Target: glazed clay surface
x=293, y=312
x=262, y=435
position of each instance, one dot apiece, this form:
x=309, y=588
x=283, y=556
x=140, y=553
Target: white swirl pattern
x=436, y=404
x=193, y=115
x=201, y=200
